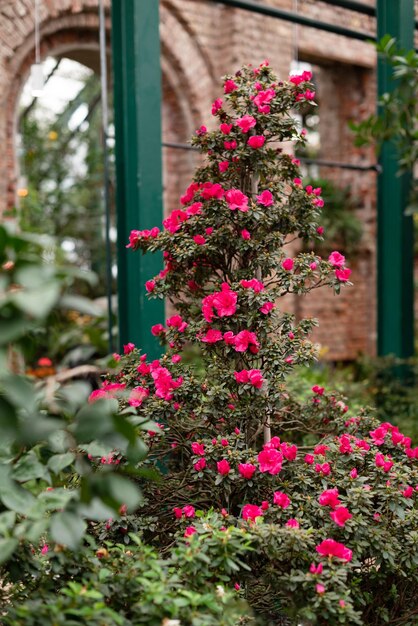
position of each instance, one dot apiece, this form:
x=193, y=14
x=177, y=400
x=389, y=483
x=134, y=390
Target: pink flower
x=291, y=335
x=265, y=505
x=289, y=451
x=199, y=240
x=256, y=141
x=265, y=198
x=306, y=95
x=300, y=78
x=309, y=459
x=263, y=98
x=225, y=128
x=270, y=461
x=230, y=86
x=190, y=530
x=212, y=336
x=157, y=329
x=385, y=464
x=237, y=586
x=252, y=377
x=188, y=510
x=254, y=284
x=281, y=499
x=319, y=588
x=267, y=307
x=194, y=209
x=245, y=234
x=229, y=338
x=198, y=448
x=316, y=569
x=223, y=166
x=251, y=512
x=45, y=549
x=230, y=145
x=321, y=449
x=345, y=445
x=237, y=200
x=143, y=369
x=318, y=390
x=176, y=321
x=378, y=435
x=246, y=470
x=245, y=340
x=324, y=469
x=343, y=275
x=246, y=123
x=137, y=396
x=223, y=467
x=340, y=515
x=376, y=517
x=202, y=130
x=150, y=285
x=223, y=301
x=189, y=193
x=336, y=259
x=164, y=383
x=178, y=513
x=329, y=547
x=329, y=497
x=287, y=264
x=408, y=492
x=292, y=523
x=320, y=230
x=128, y=348
x=174, y=221
x=353, y=473
x=216, y=106
x=200, y=465
x=224, y=443
x=176, y=358
x=212, y=190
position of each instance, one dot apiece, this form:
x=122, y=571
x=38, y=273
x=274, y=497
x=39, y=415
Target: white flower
x=220, y=591
x=170, y=622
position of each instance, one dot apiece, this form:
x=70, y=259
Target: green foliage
x=47, y=483
x=130, y=586
x=57, y=161
x=398, y=111
x=343, y=228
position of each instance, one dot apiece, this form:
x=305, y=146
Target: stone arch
x=74, y=35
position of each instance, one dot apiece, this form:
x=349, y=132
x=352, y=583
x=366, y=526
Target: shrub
x=322, y=534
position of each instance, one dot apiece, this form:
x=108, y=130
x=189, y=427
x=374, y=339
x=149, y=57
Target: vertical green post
x=395, y=322
x=137, y=101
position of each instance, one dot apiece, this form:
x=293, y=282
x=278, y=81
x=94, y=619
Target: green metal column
x=137, y=94
x=395, y=230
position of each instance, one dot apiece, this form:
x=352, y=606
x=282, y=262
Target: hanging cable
x=106, y=170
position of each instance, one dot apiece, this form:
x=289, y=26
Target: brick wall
x=202, y=40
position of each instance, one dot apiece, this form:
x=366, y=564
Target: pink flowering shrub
x=334, y=528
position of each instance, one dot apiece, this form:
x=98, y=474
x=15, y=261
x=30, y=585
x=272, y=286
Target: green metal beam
x=395, y=230
x=137, y=94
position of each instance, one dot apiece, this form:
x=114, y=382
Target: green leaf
x=7, y=521
x=37, y=302
x=19, y=391
x=81, y=304
x=59, y=461
x=7, y=547
x=124, y=491
x=18, y=499
x=94, y=421
x=29, y=467
x=67, y=528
